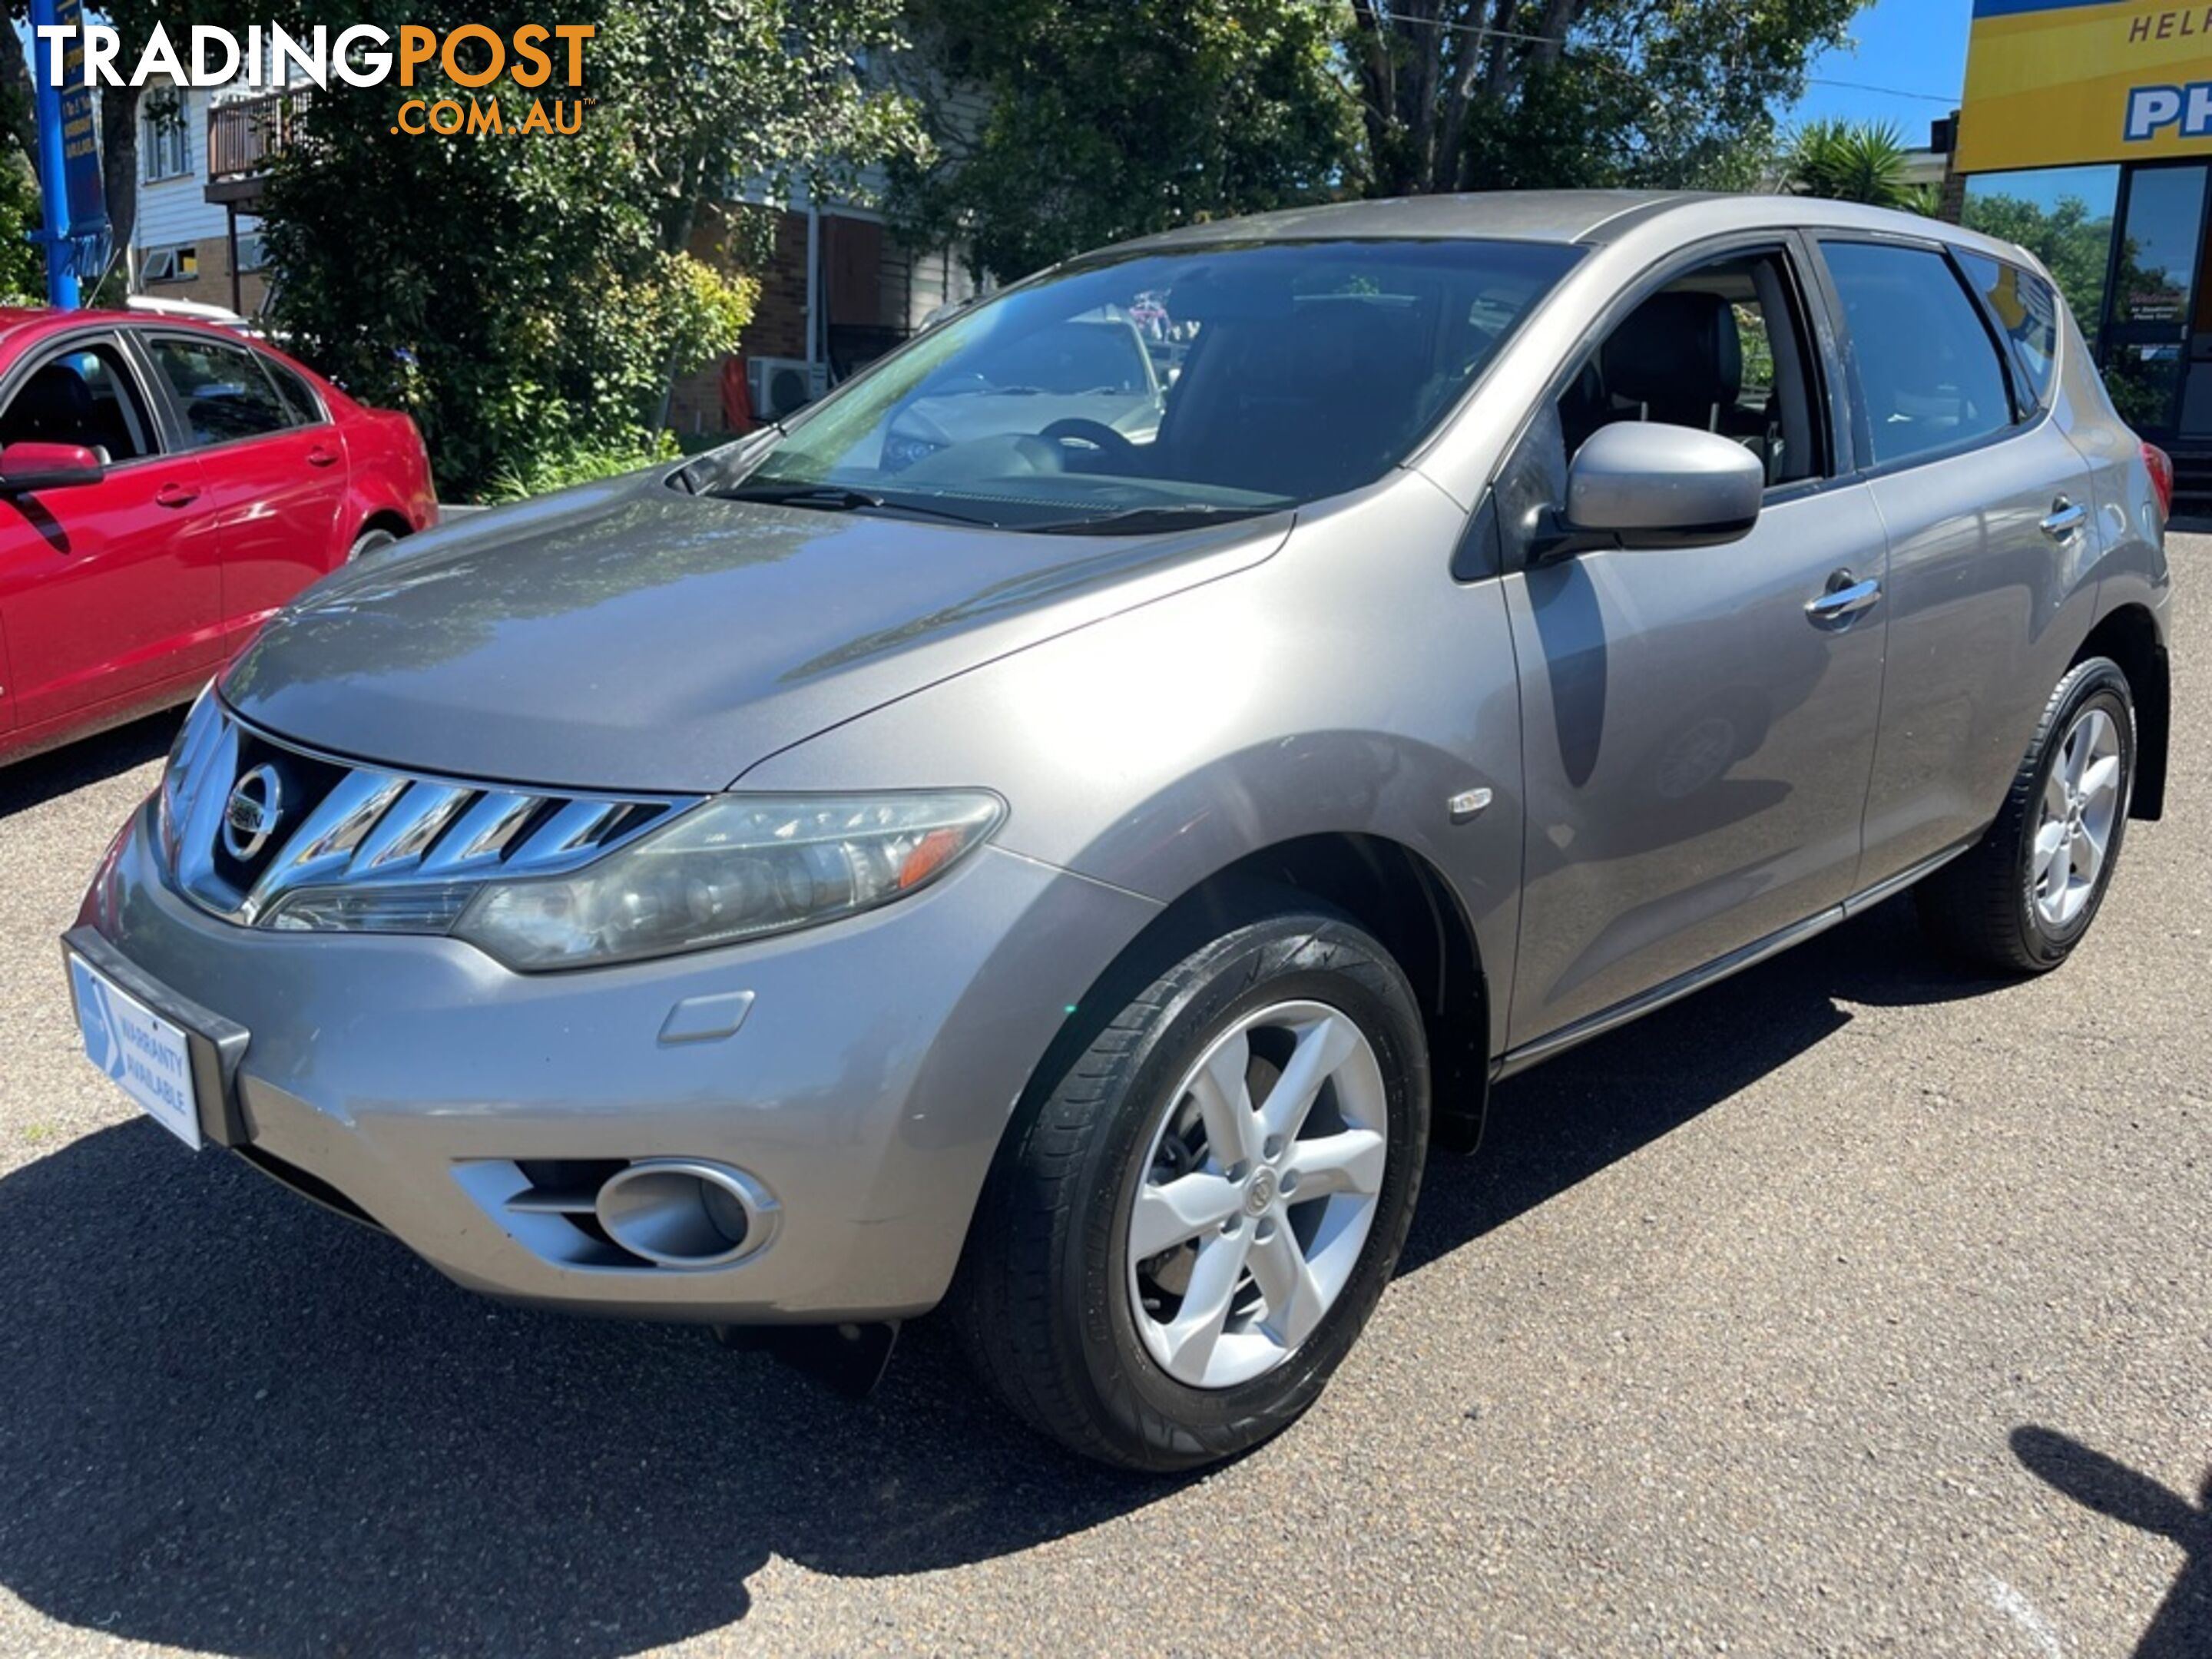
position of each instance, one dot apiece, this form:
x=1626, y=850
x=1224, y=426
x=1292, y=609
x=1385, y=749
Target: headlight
x=194, y=738
x=736, y=867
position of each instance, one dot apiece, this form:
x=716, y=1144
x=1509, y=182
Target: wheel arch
x=2129, y=636
x=1391, y=891
x=1405, y=901
x=384, y=517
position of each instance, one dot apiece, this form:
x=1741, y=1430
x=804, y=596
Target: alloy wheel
x=1262, y=1183
x=2082, y=799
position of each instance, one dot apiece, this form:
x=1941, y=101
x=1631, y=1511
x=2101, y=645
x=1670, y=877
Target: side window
x=1723, y=348
x=1929, y=375
x=84, y=395
x=220, y=389
x=2027, y=311
x=299, y=400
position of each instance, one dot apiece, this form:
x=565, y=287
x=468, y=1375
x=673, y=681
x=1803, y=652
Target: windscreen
x=1147, y=388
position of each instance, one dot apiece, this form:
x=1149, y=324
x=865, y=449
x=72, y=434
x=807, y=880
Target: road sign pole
x=53, y=186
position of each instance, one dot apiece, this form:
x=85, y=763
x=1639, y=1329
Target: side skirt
x=1606, y=1020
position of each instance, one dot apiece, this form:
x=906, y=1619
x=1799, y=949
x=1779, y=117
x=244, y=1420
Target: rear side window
x=299, y=400
x=221, y=390
x=2026, y=311
x=1930, y=376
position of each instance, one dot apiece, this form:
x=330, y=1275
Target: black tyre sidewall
x=2100, y=684
x=1155, y=1419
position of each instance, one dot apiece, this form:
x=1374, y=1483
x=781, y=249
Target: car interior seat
x=54, y=407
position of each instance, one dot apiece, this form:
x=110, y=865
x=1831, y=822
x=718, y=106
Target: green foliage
x=22, y=261
x=1575, y=93
x=1110, y=121
x=1854, y=162
x=540, y=474
x=530, y=297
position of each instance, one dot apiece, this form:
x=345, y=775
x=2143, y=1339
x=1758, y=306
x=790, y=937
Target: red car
x=164, y=486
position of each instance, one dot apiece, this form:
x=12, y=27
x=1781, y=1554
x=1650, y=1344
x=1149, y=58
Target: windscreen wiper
x=1146, y=520
x=835, y=498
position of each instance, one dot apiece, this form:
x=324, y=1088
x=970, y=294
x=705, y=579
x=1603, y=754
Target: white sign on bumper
x=145, y=1053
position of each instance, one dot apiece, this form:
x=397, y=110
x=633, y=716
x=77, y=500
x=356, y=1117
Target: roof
x=1551, y=216
x=1532, y=215
x=13, y=319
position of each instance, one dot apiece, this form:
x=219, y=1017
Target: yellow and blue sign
x=2058, y=82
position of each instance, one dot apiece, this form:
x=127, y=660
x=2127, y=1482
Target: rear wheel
x=1198, y=1214
x=369, y=541
x=2025, y=894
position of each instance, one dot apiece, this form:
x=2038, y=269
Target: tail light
x=2161, y=478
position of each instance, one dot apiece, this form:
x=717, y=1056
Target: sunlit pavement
x=1856, y=1306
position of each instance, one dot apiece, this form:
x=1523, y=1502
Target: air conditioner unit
x=781, y=386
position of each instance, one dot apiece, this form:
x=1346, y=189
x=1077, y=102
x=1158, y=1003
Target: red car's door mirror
x=28, y=466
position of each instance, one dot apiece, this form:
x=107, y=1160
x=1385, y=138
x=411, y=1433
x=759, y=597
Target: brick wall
x=209, y=284
x=874, y=283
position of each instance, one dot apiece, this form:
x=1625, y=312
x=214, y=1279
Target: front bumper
x=865, y=1089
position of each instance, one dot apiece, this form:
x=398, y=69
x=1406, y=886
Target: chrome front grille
x=337, y=825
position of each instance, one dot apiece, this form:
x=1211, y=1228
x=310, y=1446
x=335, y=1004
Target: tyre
x=369, y=541
x=1203, y=1197
x=2023, y=897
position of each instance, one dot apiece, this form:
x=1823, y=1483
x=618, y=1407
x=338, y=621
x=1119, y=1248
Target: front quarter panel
x=1348, y=685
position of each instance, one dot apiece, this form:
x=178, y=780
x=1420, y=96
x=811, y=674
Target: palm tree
x=1854, y=162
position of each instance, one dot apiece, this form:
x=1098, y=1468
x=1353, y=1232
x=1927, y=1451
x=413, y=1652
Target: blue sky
x=1910, y=46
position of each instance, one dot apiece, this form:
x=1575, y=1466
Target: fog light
x=680, y=1213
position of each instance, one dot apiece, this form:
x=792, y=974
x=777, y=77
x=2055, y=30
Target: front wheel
x=1199, y=1211
x=2024, y=896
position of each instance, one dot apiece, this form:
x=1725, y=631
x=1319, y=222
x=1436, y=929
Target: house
x=839, y=291
x=200, y=151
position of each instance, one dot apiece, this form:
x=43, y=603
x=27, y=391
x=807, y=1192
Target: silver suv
x=1073, y=865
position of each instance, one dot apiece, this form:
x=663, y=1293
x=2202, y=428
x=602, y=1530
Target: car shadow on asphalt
x=27, y=783
x=233, y=1423
x=1556, y=1126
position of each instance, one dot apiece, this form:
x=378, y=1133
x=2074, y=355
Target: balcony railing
x=244, y=134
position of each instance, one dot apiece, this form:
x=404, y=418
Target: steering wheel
x=1074, y=428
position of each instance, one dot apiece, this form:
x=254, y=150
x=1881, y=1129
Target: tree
x=1459, y=95
x=528, y=295
x=1100, y=122
x=1854, y=162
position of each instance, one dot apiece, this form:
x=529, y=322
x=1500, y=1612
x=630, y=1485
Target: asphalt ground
x=1856, y=1306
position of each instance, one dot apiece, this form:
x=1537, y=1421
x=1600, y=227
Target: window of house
x=252, y=250
x=83, y=395
x=220, y=388
x=179, y=262
x=165, y=137
x=1723, y=348
x=1929, y=375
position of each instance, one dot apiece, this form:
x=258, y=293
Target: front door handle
x=2066, y=516
x=175, y=494
x=319, y=456
x=1847, y=596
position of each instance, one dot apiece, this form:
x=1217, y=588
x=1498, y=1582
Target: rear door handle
x=1846, y=598
x=319, y=456
x=2065, y=519
x=175, y=494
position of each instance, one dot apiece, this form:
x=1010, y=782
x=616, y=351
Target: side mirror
x=26, y=467
x=1637, y=483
